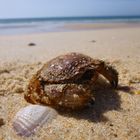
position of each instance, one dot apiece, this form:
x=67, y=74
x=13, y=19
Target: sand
x=115, y=114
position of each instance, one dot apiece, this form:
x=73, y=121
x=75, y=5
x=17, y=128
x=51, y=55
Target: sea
x=55, y=24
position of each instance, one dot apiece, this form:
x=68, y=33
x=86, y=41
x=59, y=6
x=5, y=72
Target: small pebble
x=31, y=44
x=115, y=135
x=93, y=41
x=1, y=122
x=111, y=124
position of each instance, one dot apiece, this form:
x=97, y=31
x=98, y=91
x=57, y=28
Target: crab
x=67, y=81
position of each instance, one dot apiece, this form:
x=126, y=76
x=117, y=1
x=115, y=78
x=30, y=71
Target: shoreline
x=100, y=26
x=66, y=27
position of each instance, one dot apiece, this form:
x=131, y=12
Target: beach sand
x=115, y=114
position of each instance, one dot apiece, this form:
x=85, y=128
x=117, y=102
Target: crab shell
x=67, y=81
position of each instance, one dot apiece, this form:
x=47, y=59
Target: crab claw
x=109, y=73
x=114, y=84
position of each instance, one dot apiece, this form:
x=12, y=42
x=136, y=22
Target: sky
x=64, y=8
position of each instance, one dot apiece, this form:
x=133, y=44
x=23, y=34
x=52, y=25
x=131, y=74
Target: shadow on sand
x=105, y=100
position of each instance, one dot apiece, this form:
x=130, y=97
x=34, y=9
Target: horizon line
x=59, y=17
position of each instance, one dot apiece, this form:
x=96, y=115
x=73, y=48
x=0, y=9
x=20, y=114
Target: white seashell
x=30, y=118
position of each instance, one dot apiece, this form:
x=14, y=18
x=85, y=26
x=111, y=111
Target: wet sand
x=115, y=114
